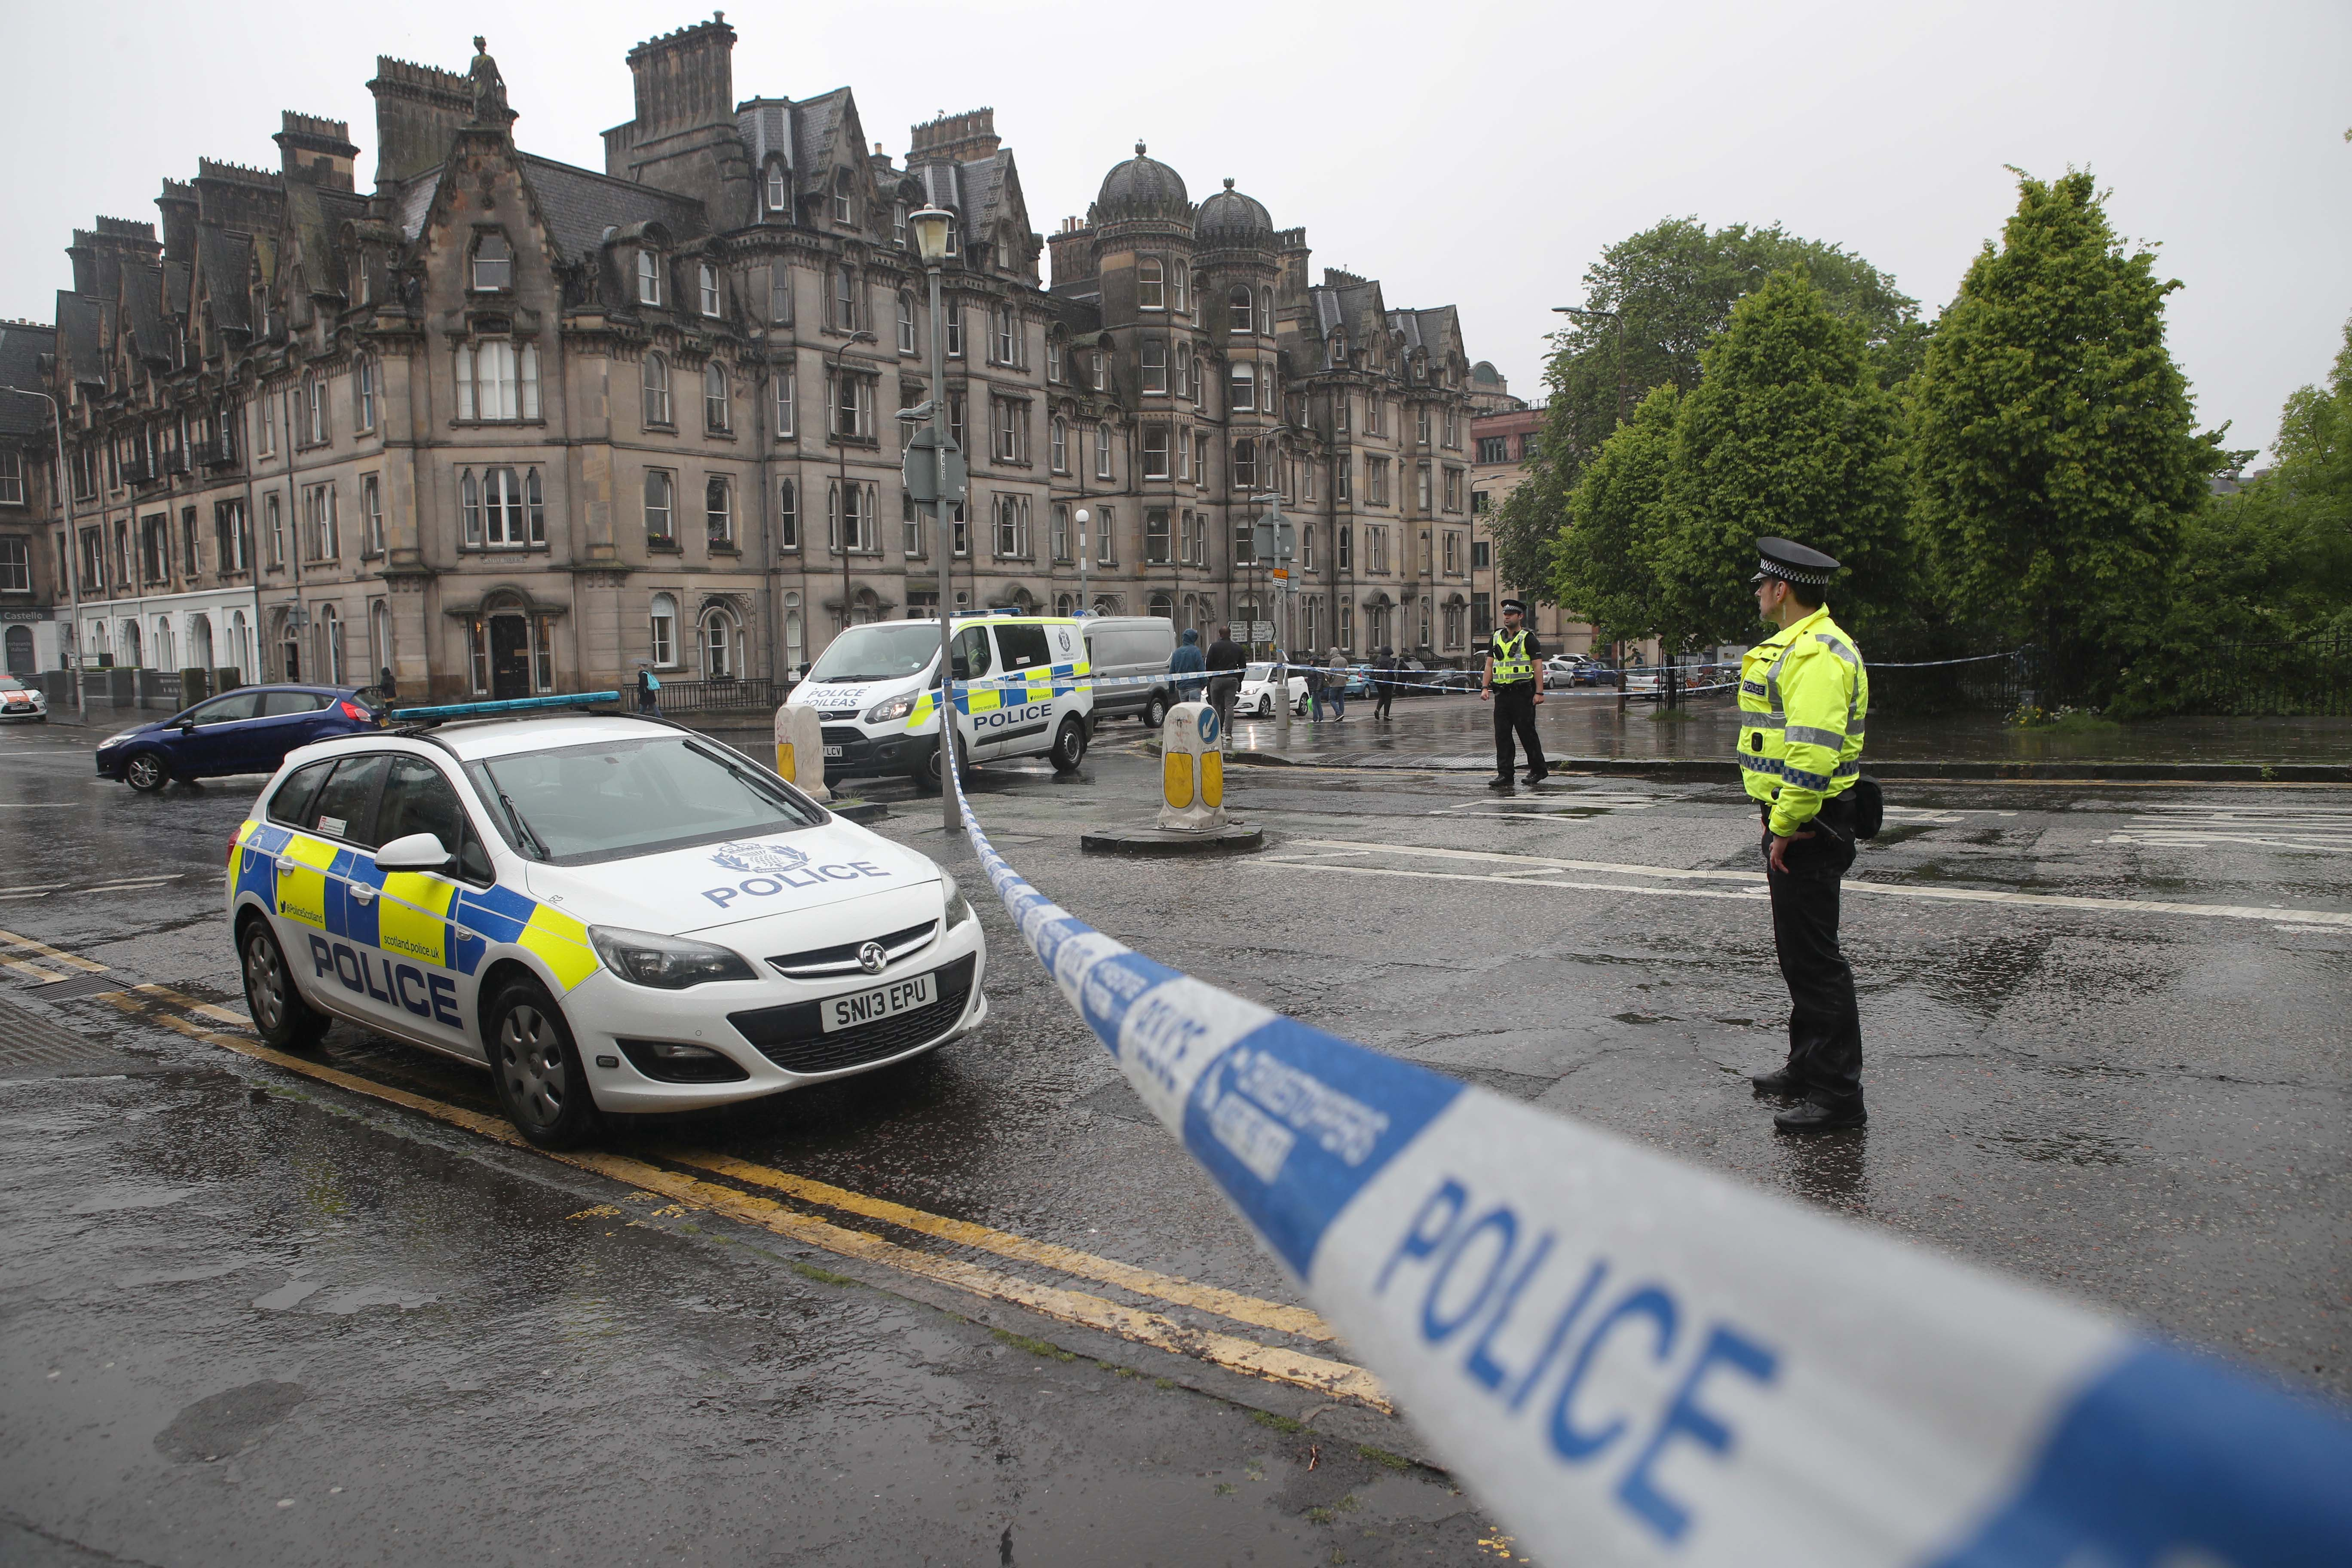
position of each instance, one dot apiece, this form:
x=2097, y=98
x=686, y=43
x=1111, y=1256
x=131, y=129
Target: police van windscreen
x=607, y=800
x=885, y=650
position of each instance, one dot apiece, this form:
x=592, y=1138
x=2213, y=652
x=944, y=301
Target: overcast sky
x=1476, y=153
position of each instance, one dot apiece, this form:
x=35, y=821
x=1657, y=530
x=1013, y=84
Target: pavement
x=981, y=1307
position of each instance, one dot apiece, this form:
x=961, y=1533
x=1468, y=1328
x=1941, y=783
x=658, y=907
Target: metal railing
x=749, y=694
x=2305, y=677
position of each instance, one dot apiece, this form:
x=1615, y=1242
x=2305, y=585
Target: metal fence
x=2303, y=678
x=748, y=695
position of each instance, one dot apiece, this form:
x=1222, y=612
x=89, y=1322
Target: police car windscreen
x=887, y=650
x=610, y=799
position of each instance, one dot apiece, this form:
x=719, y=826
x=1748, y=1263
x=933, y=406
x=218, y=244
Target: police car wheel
x=280, y=1018
x=1069, y=745
x=1155, y=713
x=144, y=773
x=539, y=1082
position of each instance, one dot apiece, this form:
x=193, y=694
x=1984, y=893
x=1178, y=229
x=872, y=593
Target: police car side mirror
x=417, y=852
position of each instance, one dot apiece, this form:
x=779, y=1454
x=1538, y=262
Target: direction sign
x=920, y=475
x=1257, y=631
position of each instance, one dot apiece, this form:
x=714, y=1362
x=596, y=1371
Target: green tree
x=1789, y=433
x=1602, y=562
x=2053, y=442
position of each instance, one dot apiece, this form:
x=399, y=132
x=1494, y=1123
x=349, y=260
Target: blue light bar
x=510, y=705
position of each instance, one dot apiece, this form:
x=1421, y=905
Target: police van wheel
x=283, y=1020
x=541, y=1084
x=1155, y=713
x=144, y=773
x=1069, y=745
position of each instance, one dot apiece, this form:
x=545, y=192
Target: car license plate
x=832, y=753
x=861, y=1008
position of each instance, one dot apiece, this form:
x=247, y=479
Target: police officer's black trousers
x=1824, y=1025
x=1515, y=711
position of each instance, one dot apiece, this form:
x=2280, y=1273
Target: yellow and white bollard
x=1193, y=769
x=799, y=749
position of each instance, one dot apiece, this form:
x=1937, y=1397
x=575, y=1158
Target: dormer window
x=841, y=213
x=708, y=276
x=493, y=263
x=648, y=278
x=955, y=239
x=779, y=196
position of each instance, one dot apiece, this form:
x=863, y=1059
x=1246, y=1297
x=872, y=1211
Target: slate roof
x=81, y=327
x=142, y=312
x=415, y=200
x=816, y=125
x=21, y=347
x=973, y=190
x=1141, y=187
x=579, y=206
x=1234, y=217
x=225, y=258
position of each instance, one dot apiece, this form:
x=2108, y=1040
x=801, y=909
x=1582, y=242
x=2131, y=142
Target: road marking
x=10, y=940
x=37, y=804
x=1755, y=883
x=1080, y=1308
x=48, y=889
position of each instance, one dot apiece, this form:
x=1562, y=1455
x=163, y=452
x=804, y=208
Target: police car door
x=1024, y=716
x=973, y=665
x=427, y=957
x=327, y=890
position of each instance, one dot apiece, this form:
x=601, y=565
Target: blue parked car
x=248, y=730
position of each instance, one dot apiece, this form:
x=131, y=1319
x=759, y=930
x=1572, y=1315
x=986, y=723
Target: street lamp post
x=70, y=563
x=930, y=229
x=1086, y=603
x=841, y=444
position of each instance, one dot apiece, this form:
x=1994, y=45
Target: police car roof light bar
x=509, y=705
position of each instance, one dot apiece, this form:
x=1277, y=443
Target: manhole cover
x=80, y=986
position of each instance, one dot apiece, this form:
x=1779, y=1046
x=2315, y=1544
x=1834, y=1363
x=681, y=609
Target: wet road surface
x=231, y=1286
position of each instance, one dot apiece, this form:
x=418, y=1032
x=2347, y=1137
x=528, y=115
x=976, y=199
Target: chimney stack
x=955, y=138
x=418, y=110
x=317, y=150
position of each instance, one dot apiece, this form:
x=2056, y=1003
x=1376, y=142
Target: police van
x=611, y=912
x=1021, y=691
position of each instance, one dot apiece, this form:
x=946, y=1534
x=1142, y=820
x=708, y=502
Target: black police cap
x=1792, y=563
x=1518, y=604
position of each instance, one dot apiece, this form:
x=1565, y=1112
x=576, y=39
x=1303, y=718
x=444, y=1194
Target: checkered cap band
x=1791, y=573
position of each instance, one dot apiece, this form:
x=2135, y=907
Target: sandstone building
x=504, y=425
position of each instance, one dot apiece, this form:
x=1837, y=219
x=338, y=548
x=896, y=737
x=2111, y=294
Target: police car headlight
x=667, y=963
x=890, y=708
x=959, y=906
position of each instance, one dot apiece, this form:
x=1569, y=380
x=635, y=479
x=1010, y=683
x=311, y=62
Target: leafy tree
x=2054, y=445
x=1788, y=433
x=1522, y=527
x=1602, y=563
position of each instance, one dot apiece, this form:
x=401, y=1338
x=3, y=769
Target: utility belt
x=1836, y=815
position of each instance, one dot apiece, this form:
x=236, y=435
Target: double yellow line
x=1081, y=1309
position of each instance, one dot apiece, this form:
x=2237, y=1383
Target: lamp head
x=930, y=227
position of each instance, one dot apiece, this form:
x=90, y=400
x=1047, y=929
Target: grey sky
x=1480, y=154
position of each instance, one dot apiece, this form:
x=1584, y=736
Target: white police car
x=1023, y=691
x=613, y=913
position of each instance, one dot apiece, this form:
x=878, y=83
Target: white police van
x=1021, y=690
x=613, y=913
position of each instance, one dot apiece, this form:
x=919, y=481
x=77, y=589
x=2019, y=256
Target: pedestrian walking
x=648, y=688
x=1385, y=670
x=1510, y=680
x=1804, y=697
x=1227, y=660
x=1184, y=664
x=385, y=687
x=1335, y=685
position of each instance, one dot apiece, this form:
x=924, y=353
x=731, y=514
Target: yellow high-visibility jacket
x=1803, y=698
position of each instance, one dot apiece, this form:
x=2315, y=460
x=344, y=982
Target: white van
x=1021, y=691
x=1130, y=651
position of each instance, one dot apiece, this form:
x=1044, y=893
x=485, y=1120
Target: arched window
x=1163, y=606
x=662, y=622
x=493, y=262
x=648, y=278
x=1237, y=306
x=707, y=280
x=898, y=225
x=1150, y=285
x=330, y=645
x=314, y=407
x=200, y=642
x=240, y=644
x=841, y=211
x=720, y=643
x=1244, y=464
x=788, y=515
x=1266, y=311
x=1061, y=447
x=380, y=637
x=718, y=404
x=792, y=628
x=364, y=393
x=656, y=390
x=905, y=323
x=166, y=653
x=1066, y=603
x=779, y=196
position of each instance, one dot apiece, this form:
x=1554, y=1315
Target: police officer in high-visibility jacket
x=1803, y=699
x=1510, y=680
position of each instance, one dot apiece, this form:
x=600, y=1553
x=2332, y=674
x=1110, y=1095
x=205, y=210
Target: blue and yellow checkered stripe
x=1040, y=685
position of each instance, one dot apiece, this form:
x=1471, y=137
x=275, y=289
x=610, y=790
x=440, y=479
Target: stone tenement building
x=507, y=425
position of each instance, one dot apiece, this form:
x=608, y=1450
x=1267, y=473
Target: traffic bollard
x=1191, y=770
x=799, y=749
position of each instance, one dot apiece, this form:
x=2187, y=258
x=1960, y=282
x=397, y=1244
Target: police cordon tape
x=1632, y=1361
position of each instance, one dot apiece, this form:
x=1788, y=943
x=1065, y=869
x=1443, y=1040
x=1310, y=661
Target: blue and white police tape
x=1632, y=1361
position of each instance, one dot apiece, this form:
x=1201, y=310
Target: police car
x=1021, y=690
x=612, y=913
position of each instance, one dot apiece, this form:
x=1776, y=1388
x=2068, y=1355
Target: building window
x=1053, y=359
x=1155, y=536
x=779, y=192
x=1238, y=308
x=1102, y=450
x=1010, y=418
x=779, y=295
x=657, y=383
x=905, y=323
x=1376, y=549
x=1426, y=563
x=955, y=421
x=1013, y=527
x=1453, y=553
x=1244, y=389
x=648, y=278
x=1481, y=556
x=1150, y=285
x=719, y=642
x=1494, y=448
x=1306, y=547
x=1453, y=618
x=788, y=515
x=274, y=514
x=959, y=536
x=232, y=547
x=364, y=390
x=493, y=263
x=1453, y=490
x=1375, y=417
x=371, y=519
x=845, y=299
x=1424, y=490
x=502, y=507
x=660, y=506
x=786, y=380
x=718, y=512
x=1376, y=480
x=312, y=409
x=154, y=549
x=15, y=564
x=663, y=624
x=1245, y=541
x=1347, y=548
x=496, y=382
x=1478, y=503
x=1183, y=455
x=1153, y=357
x=1101, y=369
x=898, y=225
x=707, y=281
x=954, y=311
x=1343, y=477
x=955, y=238
x=852, y=400
x=330, y=644
x=1265, y=312
x=1155, y=454
x=1452, y=426
x=1060, y=449
x=840, y=209
x=1421, y=422
x=1106, y=537
x=1530, y=447
x=718, y=402
x=849, y=514
x=321, y=537
x=1008, y=336
x=1183, y=302
x=910, y=530
x=1244, y=464
x=1061, y=526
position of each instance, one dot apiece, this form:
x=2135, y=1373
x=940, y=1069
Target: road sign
x=1283, y=573
x=1257, y=631
x=917, y=469
x=1273, y=539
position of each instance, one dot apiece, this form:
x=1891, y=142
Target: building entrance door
x=509, y=657
x=20, y=650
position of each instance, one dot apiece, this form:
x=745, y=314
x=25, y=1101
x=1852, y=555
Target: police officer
x=1510, y=680
x=1803, y=698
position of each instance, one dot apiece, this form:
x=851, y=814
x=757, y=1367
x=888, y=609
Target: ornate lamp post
x=930, y=230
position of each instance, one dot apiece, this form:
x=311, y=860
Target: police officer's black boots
x=1781, y=1081
x=1503, y=784
x=1815, y=1116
